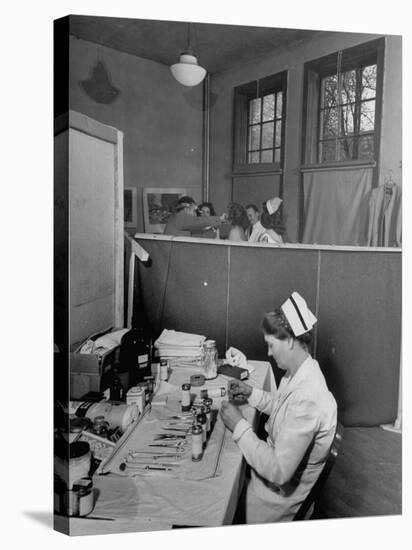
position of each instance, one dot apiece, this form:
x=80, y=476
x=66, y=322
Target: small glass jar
x=100, y=427
x=210, y=360
x=197, y=442
x=186, y=398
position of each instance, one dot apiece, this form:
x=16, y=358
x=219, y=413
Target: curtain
x=336, y=206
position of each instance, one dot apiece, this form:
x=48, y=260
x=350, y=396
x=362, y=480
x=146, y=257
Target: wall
x=221, y=290
x=293, y=59
x=161, y=120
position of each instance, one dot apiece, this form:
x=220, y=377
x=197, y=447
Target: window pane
x=369, y=82
x=253, y=157
x=277, y=155
x=278, y=139
x=327, y=151
x=329, y=91
x=254, y=110
x=267, y=135
x=279, y=102
x=269, y=107
x=346, y=149
x=254, y=137
x=366, y=147
x=348, y=94
x=329, y=122
x=367, y=119
x=267, y=156
x=346, y=121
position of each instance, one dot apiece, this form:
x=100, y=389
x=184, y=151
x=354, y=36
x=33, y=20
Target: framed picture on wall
x=130, y=206
x=158, y=205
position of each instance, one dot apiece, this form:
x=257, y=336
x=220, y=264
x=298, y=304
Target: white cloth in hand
x=236, y=358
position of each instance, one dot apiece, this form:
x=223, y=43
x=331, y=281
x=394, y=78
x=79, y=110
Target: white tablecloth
x=158, y=502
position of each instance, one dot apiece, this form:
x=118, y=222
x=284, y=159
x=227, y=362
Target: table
x=157, y=503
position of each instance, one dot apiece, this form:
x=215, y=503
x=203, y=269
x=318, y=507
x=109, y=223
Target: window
x=265, y=128
x=347, y=115
x=342, y=118
x=259, y=124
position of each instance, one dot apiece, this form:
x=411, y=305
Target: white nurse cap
x=273, y=204
x=299, y=316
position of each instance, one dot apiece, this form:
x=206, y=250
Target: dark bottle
x=135, y=353
x=116, y=390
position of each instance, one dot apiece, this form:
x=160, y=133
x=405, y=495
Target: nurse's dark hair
x=276, y=324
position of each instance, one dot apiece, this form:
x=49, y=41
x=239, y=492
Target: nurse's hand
x=230, y=415
x=237, y=387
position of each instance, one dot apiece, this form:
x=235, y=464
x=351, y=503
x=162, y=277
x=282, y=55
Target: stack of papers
x=172, y=344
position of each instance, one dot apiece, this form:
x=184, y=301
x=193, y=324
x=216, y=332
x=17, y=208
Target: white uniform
x=256, y=232
x=301, y=426
x=270, y=236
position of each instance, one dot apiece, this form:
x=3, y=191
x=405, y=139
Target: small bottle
x=186, y=397
x=116, y=390
x=208, y=413
x=197, y=442
x=150, y=382
x=202, y=420
x=164, y=370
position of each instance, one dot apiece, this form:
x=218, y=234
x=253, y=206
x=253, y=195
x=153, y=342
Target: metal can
x=213, y=392
x=197, y=442
x=136, y=396
x=164, y=369
x=186, y=401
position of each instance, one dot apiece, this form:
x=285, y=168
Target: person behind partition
x=255, y=230
x=206, y=209
x=238, y=222
x=302, y=418
x=272, y=221
x=185, y=222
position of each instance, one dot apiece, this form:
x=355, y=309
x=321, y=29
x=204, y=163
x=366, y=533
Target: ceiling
x=218, y=47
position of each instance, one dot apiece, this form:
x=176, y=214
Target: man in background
x=255, y=229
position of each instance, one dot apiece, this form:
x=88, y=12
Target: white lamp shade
x=187, y=71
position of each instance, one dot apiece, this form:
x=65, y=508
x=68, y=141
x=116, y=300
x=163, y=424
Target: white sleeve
x=277, y=464
x=263, y=401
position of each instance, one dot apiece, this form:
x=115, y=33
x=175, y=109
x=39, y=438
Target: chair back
x=314, y=494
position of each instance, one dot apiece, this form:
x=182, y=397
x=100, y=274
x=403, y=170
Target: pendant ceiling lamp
x=188, y=72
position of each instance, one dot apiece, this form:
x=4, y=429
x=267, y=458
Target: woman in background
x=238, y=221
x=206, y=209
x=272, y=221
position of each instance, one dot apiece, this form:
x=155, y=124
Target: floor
x=366, y=479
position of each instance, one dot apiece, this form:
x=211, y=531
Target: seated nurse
x=302, y=419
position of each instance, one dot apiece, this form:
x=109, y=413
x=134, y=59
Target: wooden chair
x=309, y=506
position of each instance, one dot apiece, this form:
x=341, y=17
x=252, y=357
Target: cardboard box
x=86, y=369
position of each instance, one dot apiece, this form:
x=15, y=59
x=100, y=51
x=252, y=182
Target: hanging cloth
x=336, y=206
x=385, y=216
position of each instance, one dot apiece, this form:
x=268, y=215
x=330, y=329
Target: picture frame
x=158, y=205
x=130, y=206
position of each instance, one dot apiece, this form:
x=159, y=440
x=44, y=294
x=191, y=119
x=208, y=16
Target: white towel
x=184, y=339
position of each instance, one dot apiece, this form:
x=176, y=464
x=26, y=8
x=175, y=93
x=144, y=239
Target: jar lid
x=79, y=424
x=210, y=343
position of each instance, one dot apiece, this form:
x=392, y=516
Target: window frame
x=242, y=95
x=363, y=55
